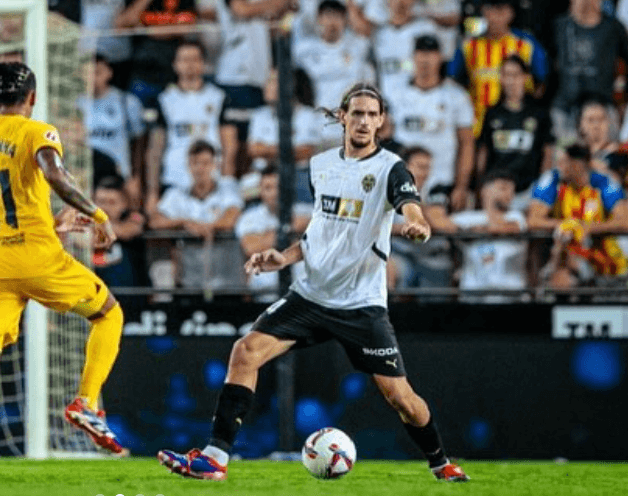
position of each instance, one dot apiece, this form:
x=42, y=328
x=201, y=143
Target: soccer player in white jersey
x=357, y=188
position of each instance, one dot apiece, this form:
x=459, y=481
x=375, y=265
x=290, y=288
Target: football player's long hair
x=16, y=81
x=358, y=89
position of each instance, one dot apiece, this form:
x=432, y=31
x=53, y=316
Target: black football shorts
x=365, y=333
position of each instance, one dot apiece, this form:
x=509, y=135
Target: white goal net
x=24, y=409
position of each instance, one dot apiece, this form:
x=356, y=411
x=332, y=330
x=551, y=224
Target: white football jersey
x=393, y=48
x=111, y=122
x=245, y=54
x=492, y=263
x=334, y=68
x=431, y=119
x=187, y=117
x=347, y=242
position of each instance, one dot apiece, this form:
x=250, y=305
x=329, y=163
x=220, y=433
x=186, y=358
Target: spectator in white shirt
x=263, y=145
x=334, y=60
x=435, y=113
x=189, y=110
x=257, y=228
x=493, y=263
x=211, y=205
x=114, y=122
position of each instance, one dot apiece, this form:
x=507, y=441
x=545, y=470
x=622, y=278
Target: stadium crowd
x=510, y=116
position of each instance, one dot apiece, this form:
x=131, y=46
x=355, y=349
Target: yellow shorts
x=71, y=286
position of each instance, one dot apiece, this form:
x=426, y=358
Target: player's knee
x=245, y=355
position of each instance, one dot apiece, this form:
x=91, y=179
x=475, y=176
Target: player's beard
x=359, y=144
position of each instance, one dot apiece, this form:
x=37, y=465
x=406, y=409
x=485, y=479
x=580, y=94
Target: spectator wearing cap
x=435, y=113
x=114, y=122
x=478, y=62
x=334, y=60
x=516, y=135
x=586, y=45
x=393, y=45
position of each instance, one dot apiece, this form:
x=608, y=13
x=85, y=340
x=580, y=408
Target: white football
x=328, y=453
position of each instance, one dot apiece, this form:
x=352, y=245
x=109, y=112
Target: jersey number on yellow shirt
x=7, y=198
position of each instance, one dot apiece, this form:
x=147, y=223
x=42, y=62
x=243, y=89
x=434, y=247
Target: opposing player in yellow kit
x=33, y=263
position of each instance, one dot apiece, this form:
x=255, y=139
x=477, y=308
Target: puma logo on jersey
x=392, y=363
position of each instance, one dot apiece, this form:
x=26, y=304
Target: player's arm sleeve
x=546, y=188
x=45, y=136
x=401, y=188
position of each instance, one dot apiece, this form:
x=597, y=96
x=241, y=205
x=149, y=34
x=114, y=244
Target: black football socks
x=428, y=439
x=233, y=404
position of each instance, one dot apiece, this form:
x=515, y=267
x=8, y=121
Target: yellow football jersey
x=29, y=245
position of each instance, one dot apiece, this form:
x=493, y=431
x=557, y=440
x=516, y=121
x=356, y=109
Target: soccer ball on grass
x=328, y=453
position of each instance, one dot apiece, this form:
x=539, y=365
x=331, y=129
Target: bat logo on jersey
x=368, y=182
x=342, y=207
x=52, y=136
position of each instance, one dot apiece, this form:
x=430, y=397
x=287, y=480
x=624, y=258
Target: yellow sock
x=100, y=354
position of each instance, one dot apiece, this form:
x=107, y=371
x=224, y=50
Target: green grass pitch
x=144, y=476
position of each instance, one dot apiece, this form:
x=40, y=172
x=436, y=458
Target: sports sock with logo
x=100, y=354
x=234, y=403
x=428, y=439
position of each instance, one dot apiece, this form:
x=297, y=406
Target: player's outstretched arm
x=63, y=184
x=271, y=260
